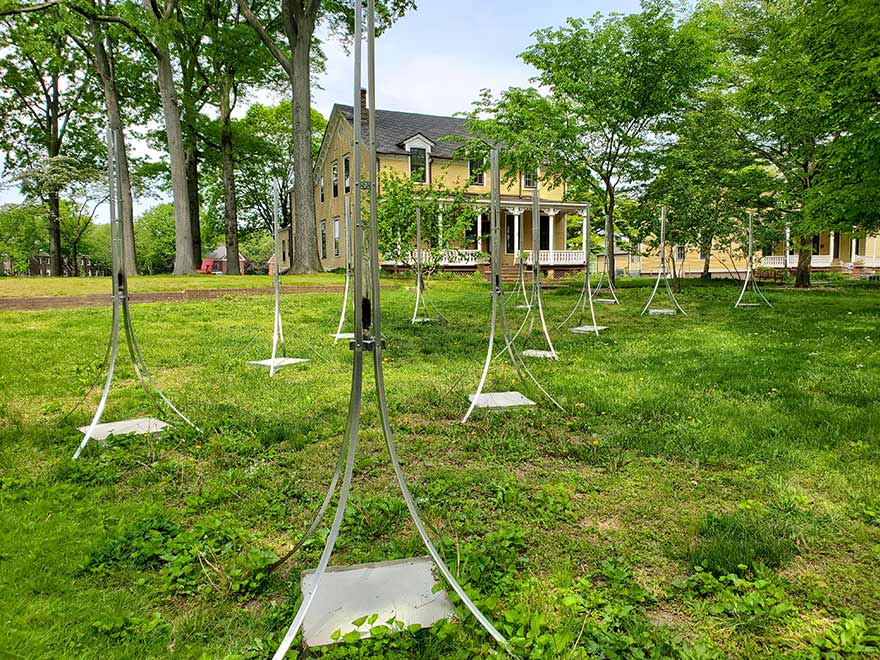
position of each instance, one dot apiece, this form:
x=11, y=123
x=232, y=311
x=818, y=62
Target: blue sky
x=436, y=59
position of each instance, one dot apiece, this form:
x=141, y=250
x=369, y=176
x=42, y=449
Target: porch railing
x=557, y=257
x=778, y=261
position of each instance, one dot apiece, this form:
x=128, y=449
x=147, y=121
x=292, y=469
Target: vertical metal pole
x=418, y=263
x=115, y=269
x=277, y=332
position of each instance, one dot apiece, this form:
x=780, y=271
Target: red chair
x=207, y=266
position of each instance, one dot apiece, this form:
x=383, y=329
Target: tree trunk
x=609, y=232
x=230, y=212
x=305, y=246
x=706, y=275
x=56, y=265
x=805, y=259
x=194, y=202
x=184, y=260
x=114, y=120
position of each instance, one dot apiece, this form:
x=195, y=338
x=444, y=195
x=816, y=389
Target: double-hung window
x=418, y=164
x=530, y=179
x=323, y=239
x=335, y=237
x=346, y=173
x=334, y=176
x=476, y=172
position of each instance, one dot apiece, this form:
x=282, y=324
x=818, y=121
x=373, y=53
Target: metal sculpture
x=750, y=275
x=586, y=297
x=662, y=274
x=598, y=295
x=122, y=315
x=499, y=313
x=536, y=309
x=339, y=334
x=420, y=310
x=367, y=318
x=274, y=363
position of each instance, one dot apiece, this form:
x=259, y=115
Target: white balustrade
x=557, y=257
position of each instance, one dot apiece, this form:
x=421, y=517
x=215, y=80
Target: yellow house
x=412, y=144
x=831, y=251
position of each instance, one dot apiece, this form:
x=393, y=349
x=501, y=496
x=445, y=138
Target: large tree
x=607, y=84
x=47, y=104
x=230, y=60
x=263, y=154
x=299, y=19
x=781, y=115
x=708, y=183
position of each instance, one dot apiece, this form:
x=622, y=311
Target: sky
x=436, y=59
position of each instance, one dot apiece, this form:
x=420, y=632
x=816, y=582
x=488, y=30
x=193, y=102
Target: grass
x=15, y=287
x=746, y=439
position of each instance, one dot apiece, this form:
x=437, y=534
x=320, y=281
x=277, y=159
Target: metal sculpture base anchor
x=122, y=314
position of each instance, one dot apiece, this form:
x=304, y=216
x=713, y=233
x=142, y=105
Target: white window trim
x=524, y=181
x=471, y=174
x=419, y=141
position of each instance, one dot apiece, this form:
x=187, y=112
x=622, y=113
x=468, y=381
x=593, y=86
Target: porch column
x=852, y=250
x=480, y=232
x=830, y=246
x=787, y=243
x=440, y=227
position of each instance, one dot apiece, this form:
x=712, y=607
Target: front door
x=545, y=233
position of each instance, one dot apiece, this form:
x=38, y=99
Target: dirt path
x=101, y=300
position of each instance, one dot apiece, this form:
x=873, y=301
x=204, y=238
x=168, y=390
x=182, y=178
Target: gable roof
x=394, y=128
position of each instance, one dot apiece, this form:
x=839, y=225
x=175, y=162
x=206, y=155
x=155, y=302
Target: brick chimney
x=363, y=104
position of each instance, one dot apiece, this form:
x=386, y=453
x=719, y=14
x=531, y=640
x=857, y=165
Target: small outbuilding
x=216, y=261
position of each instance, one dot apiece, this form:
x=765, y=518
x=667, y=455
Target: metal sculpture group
x=362, y=280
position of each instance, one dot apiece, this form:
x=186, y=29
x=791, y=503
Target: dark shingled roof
x=393, y=128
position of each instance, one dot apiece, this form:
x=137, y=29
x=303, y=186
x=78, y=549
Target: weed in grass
x=748, y=602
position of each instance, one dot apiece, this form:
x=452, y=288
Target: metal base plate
x=661, y=312
x=139, y=425
x=610, y=301
x=342, y=335
x=422, y=319
x=587, y=329
x=533, y=352
x=501, y=400
x=277, y=362
x=402, y=589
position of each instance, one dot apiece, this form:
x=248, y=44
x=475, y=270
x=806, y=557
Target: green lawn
x=711, y=490
x=13, y=287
